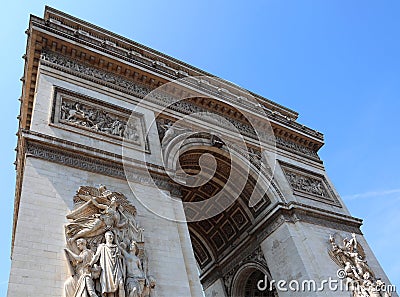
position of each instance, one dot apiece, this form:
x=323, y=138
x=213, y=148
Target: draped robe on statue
x=111, y=267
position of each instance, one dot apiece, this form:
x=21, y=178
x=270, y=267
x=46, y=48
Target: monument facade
x=140, y=175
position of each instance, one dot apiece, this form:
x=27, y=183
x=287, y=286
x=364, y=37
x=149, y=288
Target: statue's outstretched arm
x=90, y=198
x=73, y=255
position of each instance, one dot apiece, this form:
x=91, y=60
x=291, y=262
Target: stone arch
x=203, y=254
x=179, y=144
x=224, y=230
x=213, y=239
x=246, y=278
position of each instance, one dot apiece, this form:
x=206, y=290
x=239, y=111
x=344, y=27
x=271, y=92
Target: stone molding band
x=94, y=164
x=119, y=83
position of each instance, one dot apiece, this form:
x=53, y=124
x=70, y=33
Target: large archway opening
x=215, y=239
x=212, y=238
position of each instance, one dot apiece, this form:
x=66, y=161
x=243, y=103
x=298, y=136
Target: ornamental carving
x=96, y=74
x=166, y=68
x=81, y=113
x=309, y=184
x=351, y=258
x=167, y=131
x=105, y=247
x=292, y=146
x=95, y=164
x=120, y=83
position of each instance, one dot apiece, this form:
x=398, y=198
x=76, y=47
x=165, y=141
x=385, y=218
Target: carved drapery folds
x=105, y=248
x=360, y=278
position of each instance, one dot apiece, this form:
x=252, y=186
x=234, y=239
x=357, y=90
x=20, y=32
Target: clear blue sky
x=335, y=62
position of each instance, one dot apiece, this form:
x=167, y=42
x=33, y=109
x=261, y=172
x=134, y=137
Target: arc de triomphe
x=140, y=175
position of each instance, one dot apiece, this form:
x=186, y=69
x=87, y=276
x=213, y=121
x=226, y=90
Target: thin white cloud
x=372, y=194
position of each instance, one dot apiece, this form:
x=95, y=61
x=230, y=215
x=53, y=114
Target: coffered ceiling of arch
x=213, y=236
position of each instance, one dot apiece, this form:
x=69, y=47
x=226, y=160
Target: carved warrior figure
x=82, y=285
x=102, y=224
x=351, y=258
x=99, y=120
x=307, y=184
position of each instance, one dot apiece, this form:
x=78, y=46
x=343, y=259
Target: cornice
x=293, y=212
x=279, y=214
x=285, y=138
x=115, y=42
x=63, y=33
x=56, y=143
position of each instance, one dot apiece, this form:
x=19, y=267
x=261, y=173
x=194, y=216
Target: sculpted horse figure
x=77, y=115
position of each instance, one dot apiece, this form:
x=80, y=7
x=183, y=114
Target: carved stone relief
x=309, y=184
x=166, y=68
x=66, y=64
x=289, y=145
x=78, y=111
x=351, y=258
x=105, y=249
x=97, y=165
x=167, y=131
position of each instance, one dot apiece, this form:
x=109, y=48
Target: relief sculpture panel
x=311, y=185
x=80, y=113
x=105, y=248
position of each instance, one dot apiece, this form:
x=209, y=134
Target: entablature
x=104, y=51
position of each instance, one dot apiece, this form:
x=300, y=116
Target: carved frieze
x=309, y=184
x=97, y=75
x=97, y=165
x=75, y=111
x=167, y=131
x=294, y=147
x=166, y=67
x=122, y=84
x=105, y=247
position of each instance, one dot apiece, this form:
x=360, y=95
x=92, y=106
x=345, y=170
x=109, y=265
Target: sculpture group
x=105, y=247
x=360, y=278
x=98, y=120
